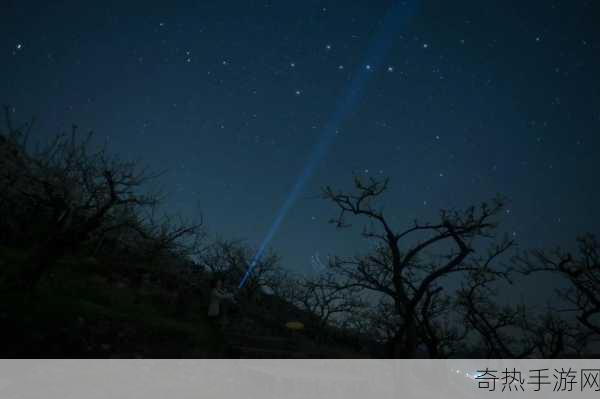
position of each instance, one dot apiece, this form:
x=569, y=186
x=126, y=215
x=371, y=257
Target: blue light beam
x=396, y=18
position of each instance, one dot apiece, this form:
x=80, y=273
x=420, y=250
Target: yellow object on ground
x=294, y=325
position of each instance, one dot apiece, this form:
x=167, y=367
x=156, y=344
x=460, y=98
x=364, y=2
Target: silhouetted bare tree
x=231, y=258
x=71, y=192
x=581, y=272
x=498, y=327
x=554, y=336
x=320, y=296
x=514, y=331
x=441, y=335
x=401, y=267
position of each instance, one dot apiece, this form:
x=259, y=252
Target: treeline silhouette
x=90, y=265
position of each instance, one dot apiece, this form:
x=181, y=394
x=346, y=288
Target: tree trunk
x=410, y=343
x=404, y=344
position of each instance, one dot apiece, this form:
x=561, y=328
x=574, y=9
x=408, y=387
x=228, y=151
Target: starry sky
x=231, y=98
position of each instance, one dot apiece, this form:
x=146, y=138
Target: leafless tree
x=401, y=267
x=439, y=332
x=554, y=336
x=515, y=331
x=319, y=296
x=230, y=259
x=498, y=327
x=159, y=235
x=73, y=192
x=581, y=271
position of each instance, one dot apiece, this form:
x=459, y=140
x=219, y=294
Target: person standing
x=216, y=307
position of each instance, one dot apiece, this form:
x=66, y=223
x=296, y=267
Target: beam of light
x=397, y=17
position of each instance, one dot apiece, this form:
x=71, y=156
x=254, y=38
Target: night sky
x=231, y=98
